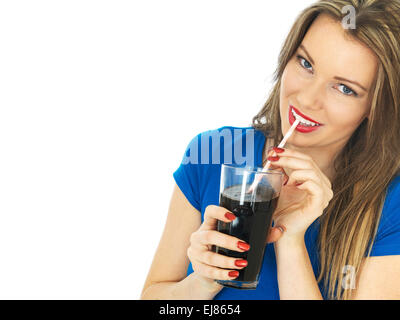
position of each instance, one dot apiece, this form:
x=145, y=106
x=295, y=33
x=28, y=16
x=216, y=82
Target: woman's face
x=327, y=80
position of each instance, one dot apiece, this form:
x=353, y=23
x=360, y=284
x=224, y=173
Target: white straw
x=283, y=142
x=281, y=145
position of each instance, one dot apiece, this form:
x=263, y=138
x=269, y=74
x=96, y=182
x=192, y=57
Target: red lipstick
x=304, y=116
x=300, y=127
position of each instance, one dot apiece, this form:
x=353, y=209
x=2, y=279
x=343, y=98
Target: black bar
x=185, y=309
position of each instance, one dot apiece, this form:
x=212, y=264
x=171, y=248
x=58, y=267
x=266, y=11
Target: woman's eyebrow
x=336, y=77
x=307, y=54
x=353, y=82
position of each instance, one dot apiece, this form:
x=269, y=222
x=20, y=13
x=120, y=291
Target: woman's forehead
x=335, y=53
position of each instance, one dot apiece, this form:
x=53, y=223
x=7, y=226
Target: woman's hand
x=210, y=265
x=305, y=195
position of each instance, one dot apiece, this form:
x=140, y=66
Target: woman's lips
x=300, y=127
x=303, y=115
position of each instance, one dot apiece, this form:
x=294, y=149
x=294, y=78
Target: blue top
x=198, y=177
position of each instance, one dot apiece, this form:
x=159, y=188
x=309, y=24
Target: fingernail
x=243, y=245
x=281, y=229
x=297, y=184
x=273, y=158
x=278, y=150
x=285, y=183
x=230, y=216
x=233, y=274
x=240, y=263
x=270, y=151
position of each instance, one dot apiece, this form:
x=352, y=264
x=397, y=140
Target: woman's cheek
x=291, y=82
x=345, y=118
x=342, y=126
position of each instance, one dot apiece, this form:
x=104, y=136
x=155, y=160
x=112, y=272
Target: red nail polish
x=285, y=183
x=273, y=158
x=300, y=183
x=243, y=245
x=278, y=150
x=233, y=274
x=230, y=216
x=240, y=263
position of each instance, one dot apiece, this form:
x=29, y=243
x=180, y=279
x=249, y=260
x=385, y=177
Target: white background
x=98, y=101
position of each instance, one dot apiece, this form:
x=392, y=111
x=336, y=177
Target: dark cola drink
x=252, y=225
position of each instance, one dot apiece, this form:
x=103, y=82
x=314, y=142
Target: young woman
x=337, y=224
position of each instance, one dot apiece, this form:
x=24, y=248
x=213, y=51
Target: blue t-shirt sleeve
x=387, y=240
x=187, y=175
x=198, y=175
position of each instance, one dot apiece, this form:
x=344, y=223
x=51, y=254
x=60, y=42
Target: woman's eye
x=347, y=91
x=304, y=63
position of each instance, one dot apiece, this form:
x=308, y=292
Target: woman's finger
x=205, y=238
x=271, y=153
x=300, y=176
x=217, y=260
x=214, y=213
x=312, y=188
x=291, y=163
x=213, y=272
x=296, y=163
x=299, y=155
x=291, y=153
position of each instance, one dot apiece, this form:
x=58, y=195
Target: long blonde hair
x=371, y=158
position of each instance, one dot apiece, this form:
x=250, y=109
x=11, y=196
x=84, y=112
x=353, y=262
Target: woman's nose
x=311, y=96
